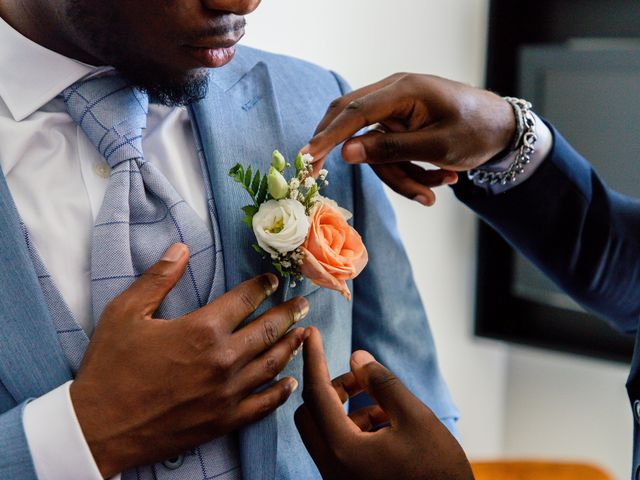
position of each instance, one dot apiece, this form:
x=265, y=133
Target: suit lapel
x=31, y=359
x=239, y=121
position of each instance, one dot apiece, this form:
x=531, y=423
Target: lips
x=211, y=57
x=216, y=46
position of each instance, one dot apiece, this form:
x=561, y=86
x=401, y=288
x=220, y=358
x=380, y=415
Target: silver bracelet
x=524, y=142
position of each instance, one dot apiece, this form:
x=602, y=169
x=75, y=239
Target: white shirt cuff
x=58, y=447
x=542, y=150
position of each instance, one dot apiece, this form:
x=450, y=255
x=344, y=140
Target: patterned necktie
x=142, y=214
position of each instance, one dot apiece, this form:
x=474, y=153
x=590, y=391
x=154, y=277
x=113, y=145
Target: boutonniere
x=305, y=234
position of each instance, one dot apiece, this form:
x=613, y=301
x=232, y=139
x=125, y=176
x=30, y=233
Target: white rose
x=281, y=226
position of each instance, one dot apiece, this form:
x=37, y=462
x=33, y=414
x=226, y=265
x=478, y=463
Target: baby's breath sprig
x=302, y=188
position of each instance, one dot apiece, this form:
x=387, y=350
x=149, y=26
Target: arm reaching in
x=428, y=119
x=562, y=216
x=399, y=437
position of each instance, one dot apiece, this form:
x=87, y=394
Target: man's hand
x=413, y=444
x=430, y=119
x=150, y=389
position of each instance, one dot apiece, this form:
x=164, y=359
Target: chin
x=170, y=88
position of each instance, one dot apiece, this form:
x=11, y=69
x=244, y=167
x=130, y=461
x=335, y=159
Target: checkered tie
x=142, y=214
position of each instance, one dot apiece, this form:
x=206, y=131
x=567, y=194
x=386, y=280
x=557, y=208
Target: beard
x=164, y=88
x=100, y=31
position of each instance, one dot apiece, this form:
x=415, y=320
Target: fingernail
x=361, y=358
x=293, y=384
x=307, y=334
x=451, y=178
x=422, y=200
x=300, y=332
x=273, y=282
x=303, y=309
x=354, y=152
x=174, y=253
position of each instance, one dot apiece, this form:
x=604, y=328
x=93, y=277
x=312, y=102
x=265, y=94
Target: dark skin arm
x=450, y=125
x=150, y=389
x=413, y=444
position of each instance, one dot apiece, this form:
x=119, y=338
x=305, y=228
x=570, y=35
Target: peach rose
x=333, y=251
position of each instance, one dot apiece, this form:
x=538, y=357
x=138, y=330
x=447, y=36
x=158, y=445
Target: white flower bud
x=309, y=182
x=278, y=187
x=278, y=162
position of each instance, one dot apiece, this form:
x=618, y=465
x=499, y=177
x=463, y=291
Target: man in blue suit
x=523, y=179
x=120, y=233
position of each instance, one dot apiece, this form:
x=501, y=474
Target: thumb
x=385, y=388
x=147, y=293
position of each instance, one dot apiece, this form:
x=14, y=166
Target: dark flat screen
x=590, y=91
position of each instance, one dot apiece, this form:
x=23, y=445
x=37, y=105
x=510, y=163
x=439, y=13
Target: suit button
x=636, y=410
x=174, y=463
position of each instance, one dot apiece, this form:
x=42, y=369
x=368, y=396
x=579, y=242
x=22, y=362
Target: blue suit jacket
x=255, y=104
x=582, y=234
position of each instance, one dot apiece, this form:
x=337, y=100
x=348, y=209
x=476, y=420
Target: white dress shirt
x=58, y=181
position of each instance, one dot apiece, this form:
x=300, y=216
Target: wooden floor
x=537, y=470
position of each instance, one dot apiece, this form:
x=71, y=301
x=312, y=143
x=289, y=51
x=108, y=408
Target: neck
x=44, y=23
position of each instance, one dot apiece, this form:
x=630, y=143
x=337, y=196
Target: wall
x=513, y=401
x=561, y=406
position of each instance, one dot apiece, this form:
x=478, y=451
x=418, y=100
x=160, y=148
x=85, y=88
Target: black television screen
x=590, y=91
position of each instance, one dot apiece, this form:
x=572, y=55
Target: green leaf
x=255, y=185
x=237, y=173
x=263, y=190
x=258, y=249
x=247, y=178
x=279, y=268
x=235, y=169
x=248, y=221
x=250, y=210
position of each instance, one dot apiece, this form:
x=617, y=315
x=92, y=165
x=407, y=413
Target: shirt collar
x=32, y=75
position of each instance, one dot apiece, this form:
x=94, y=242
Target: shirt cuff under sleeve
x=542, y=150
x=58, y=447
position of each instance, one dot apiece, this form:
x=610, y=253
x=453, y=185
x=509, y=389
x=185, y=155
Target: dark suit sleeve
x=578, y=231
